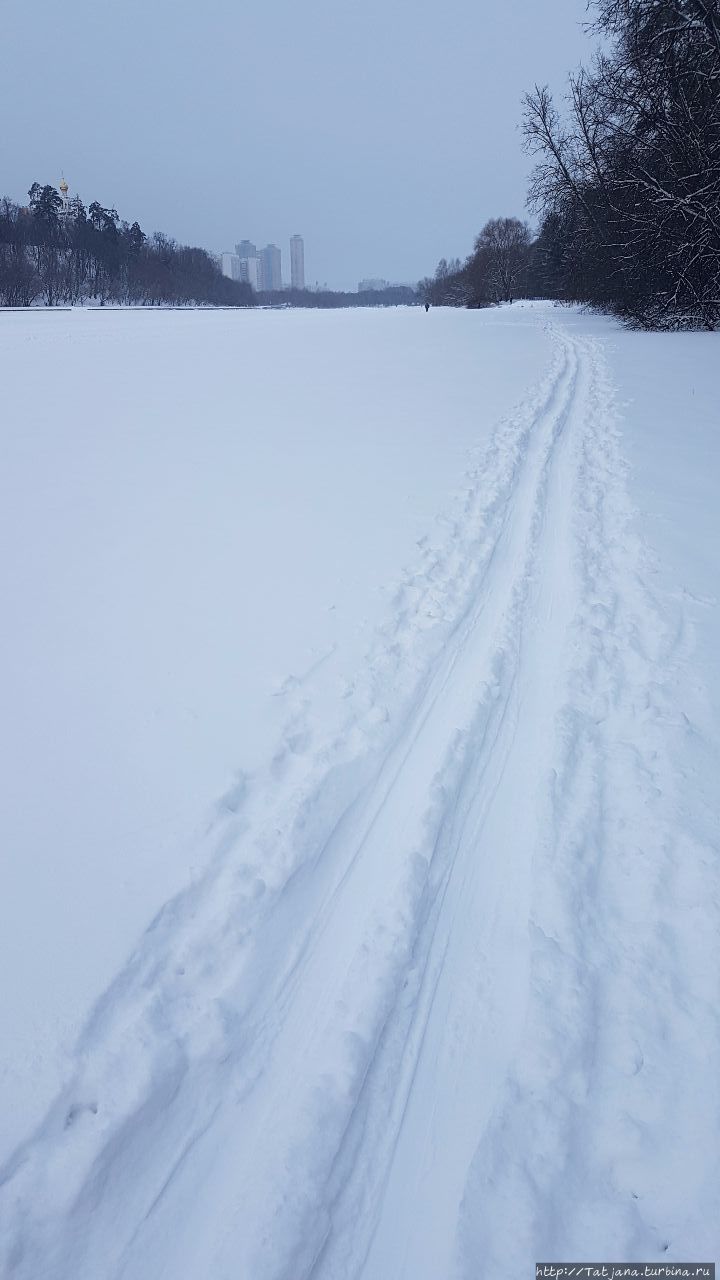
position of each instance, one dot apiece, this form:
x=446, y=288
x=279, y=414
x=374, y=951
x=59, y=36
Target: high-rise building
x=261, y=268
x=231, y=266
x=297, y=263
x=271, y=268
x=249, y=268
x=250, y=271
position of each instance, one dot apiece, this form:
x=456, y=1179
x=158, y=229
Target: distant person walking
x=427, y=306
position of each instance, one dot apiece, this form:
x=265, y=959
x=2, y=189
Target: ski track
x=425, y=940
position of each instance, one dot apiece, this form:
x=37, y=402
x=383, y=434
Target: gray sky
x=383, y=131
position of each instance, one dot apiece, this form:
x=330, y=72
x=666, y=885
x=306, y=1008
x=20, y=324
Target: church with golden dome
x=71, y=205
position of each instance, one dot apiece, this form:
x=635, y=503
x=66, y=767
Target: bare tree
x=630, y=173
x=503, y=247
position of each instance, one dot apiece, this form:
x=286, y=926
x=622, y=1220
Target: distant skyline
x=387, y=132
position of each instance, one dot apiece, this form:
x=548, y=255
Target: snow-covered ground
x=359, y=882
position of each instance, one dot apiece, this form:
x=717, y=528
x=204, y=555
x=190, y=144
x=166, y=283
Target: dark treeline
x=626, y=182
x=501, y=267
x=54, y=258
x=399, y=295
x=628, y=177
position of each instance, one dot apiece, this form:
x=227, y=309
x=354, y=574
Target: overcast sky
x=382, y=131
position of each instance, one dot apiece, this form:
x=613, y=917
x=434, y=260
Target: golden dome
x=63, y=186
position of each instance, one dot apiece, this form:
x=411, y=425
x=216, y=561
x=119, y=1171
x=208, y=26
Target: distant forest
x=55, y=260
x=626, y=183
x=56, y=253
x=395, y=295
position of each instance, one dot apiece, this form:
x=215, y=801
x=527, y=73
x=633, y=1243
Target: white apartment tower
x=230, y=265
x=271, y=263
x=297, y=263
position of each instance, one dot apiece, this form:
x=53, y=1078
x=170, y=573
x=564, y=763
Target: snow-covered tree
x=629, y=173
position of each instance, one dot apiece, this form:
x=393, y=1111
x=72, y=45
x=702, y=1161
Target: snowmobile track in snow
x=322, y=1053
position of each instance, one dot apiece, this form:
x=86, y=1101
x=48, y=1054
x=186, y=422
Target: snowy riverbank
x=434, y=993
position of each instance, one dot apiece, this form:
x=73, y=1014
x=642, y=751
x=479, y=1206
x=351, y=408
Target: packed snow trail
x=431, y=968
